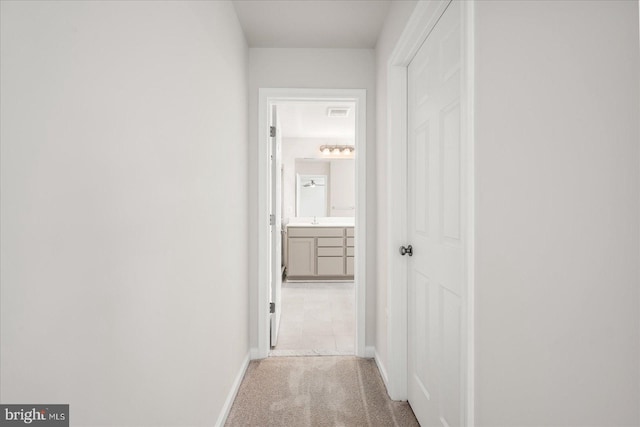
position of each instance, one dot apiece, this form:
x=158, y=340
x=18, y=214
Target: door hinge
x=272, y=131
x=272, y=219
x=272, y=307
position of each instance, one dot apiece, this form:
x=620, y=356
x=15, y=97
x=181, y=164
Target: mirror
x=311, y=195
x=333, y=193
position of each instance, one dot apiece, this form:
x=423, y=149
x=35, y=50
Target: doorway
x=317, y=205
x=324, y=248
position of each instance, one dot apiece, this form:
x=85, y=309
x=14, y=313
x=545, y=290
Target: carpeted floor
x=316, y=391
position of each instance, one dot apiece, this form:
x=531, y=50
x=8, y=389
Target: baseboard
x=369, y=352
x=254, y=353
x=383, y=371
x=222, y=418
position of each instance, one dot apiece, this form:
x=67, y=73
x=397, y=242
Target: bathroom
x=318, y=206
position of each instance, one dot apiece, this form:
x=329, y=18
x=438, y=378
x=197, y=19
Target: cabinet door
x=331, y=266
x=301, y=256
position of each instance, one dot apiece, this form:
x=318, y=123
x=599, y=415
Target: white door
x=436, y=208
x=276, y=227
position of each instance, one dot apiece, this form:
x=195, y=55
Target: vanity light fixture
x=345, y=150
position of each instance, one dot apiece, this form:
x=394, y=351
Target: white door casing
x=276, y=229
x=271, y=96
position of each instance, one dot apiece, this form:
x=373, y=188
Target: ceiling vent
x=338, y=111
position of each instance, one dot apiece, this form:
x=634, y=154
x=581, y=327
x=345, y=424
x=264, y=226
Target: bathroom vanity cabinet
x=320, y=253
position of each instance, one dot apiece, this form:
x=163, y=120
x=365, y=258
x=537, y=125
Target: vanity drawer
x=351, y=251
x=350, y=241
x=329, y=251
x=350, y=232
x=330, y=241
x=315, y=231
x=331, y=266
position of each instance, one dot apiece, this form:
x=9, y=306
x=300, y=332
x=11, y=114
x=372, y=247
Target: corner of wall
x=233, y=392
x=382, y=369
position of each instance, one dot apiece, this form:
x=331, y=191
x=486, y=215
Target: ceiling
x=310, y=120
x=312, y=23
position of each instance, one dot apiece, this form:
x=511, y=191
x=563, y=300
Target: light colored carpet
x=316, y=391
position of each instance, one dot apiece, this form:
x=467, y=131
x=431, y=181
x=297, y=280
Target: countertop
x=308, y=224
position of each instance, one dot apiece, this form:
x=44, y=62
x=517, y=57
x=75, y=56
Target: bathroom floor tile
x=317, y=318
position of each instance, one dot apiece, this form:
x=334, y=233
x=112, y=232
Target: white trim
x=468, y=28
x=224, y=413
x=381, y=369
x=254, y=353
x=267, y=97
x=397, y=232
x=369, y=352
x=420, y=24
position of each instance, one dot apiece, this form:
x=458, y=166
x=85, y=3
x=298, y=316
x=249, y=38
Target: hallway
x=316, y=391
x=496, y=236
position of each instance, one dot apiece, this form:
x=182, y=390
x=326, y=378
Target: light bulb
x=326, y=150
x=336, y=150
x=346, y=151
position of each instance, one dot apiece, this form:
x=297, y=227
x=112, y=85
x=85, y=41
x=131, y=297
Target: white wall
x=124, y=210
x=398, y=15
x=557, y=213
x=312, y=68
x=342, y=192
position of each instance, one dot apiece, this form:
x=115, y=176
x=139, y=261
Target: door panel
x=450, y=119
x=436, y=207
x=276, y=228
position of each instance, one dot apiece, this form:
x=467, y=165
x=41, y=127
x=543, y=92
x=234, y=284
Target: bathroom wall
x=342, y=188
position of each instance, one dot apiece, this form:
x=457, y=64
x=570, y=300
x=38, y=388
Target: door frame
x=418, y=28
x=268, y=97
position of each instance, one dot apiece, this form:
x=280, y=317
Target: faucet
x=315, y=220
